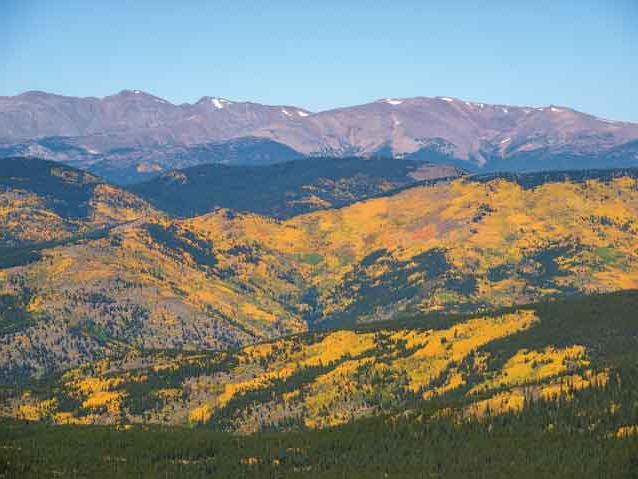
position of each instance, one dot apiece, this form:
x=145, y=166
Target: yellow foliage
x=627, y=431
x=64, y=418
x=91, y=385
x=257, y=351
x=533, y=366
x=255, y=313
x=454, y=344
x=564, y=386
x=323, y=395
x=201, y=413
x=28, y=412
x=287, y=397
x=35, y=304
x=453, y=381
x=35, y=411
x=336, y=345
x=507, y=401
x=514, y=399
x=110, y=399
x=169, y=394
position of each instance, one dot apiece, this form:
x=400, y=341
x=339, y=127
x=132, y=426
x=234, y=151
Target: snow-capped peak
x=393, y=102
x=291, y=113
x=445, y=98
x=472, y=104
x=219, y=103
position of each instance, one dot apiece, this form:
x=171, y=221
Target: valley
x=335, y=240
x=227, y=279
x=368, y=290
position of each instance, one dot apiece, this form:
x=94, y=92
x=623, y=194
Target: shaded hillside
x=545, y=159
x=531, y=180
x=46, y=201
x=134, y=165
x=285, y=189
x=226, y=279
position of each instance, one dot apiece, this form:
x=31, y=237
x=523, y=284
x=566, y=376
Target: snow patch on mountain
x=219, y=103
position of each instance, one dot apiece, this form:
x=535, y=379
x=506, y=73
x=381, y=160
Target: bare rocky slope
x=143, y=135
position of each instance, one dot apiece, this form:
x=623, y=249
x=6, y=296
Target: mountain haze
x=144, y=135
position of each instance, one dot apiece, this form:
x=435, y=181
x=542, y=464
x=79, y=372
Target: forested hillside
x=226, y=279
x=545, y=390
x=46, y=201
x=286, y=189
x=362, y=287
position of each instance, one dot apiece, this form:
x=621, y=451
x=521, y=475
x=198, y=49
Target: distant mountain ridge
x=143, y=133
x=133, y=115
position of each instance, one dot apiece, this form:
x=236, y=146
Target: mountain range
x=132, y=135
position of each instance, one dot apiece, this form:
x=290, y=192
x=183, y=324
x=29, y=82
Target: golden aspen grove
x=474, y=306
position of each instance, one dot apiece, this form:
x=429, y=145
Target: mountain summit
x=136, y=125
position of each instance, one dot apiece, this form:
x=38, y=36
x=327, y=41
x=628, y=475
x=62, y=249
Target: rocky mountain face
x=133, y=118
x=142, y=135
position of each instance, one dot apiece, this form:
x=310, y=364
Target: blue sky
x=325, y=54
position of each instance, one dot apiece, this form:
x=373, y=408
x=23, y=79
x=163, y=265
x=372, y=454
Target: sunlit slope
x=146, y=285
x=226, y=279
x=462, y=245
x=46, y=201
x=471, y=365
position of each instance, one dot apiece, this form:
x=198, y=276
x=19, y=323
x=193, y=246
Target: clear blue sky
x=323, y=54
